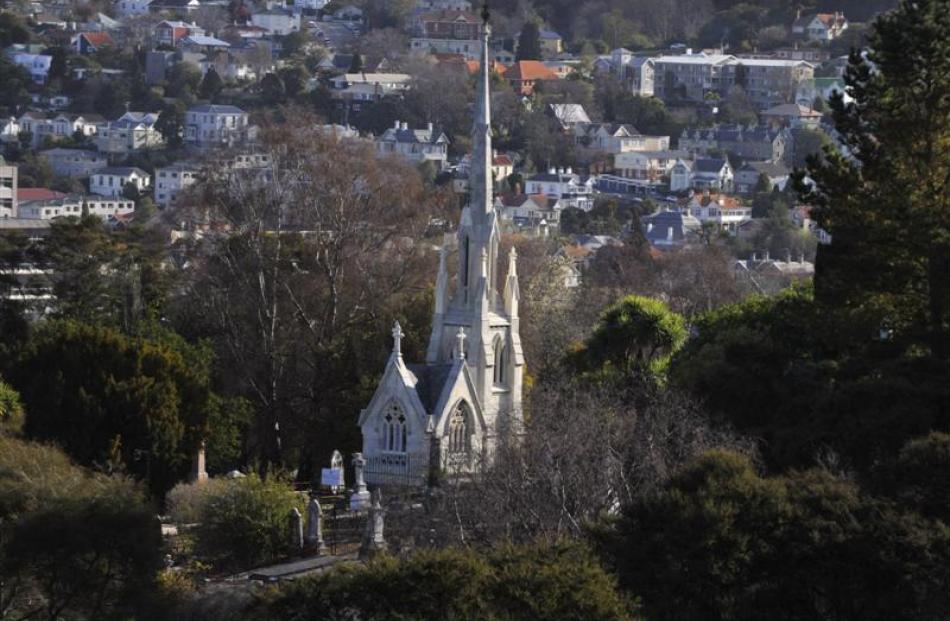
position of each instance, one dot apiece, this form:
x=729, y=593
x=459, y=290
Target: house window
x=458, y=429
x=395, y=431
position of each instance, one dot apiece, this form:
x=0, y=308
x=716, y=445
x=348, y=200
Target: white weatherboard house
x=448, y=413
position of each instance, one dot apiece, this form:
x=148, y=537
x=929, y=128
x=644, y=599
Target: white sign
x=331, y=477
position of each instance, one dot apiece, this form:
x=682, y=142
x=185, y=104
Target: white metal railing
x=399, y=469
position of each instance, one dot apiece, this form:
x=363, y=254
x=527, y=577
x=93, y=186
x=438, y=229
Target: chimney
x=396, y=126
x=766, y=255
x=801, y=258
x=788, y=256
x=405, y=125
x=569, y=170
x=755, y=256
x=552, y=171
x=669, y=233
x=430, y=127
x=649, y=227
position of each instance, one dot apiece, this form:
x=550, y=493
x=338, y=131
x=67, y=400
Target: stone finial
x=460, y=343
x=512, y=262
x=484, y=257
x=397, y=339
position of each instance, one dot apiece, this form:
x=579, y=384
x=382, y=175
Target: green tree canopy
x=782, y=369
x=211, y=85
x=634, y=335
x=171, y=124
x=73, y=545
x=888, y=210
x=920, y=476
x=529, y=42
x=244, y=522
x=525, y=583
x=722, y=542
x=143, y=405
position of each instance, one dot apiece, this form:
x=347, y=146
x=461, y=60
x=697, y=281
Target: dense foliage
x=73, y=545
x=636, y=336
x=511, y=584
x=886, y=206
x=120, y=402
x=722, y=542
x=244, y=522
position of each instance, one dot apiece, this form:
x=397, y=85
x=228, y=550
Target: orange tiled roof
x=37, y=194
x=831, y=19
x=530, y=70
x=576, y=252
x=98, y=38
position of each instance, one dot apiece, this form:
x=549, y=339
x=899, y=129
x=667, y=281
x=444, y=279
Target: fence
x=397, y=469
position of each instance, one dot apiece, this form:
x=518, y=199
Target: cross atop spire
x=397, y=339
x=486, y=14
x=460, y=343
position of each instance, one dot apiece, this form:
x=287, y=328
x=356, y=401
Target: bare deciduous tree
x=310, y=251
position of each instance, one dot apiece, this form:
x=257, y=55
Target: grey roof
x=409, y=136
x=681, y=223
x=732, y=133
x=611, y=128
x=569, y=112
x=772, y=169
x=432, y=379
x=72, y=152
x=23, y=224
x=204, y=40
x=169, y=3
x=122, y=171
x=90, y=117
x=709, y=164
x=216, y=109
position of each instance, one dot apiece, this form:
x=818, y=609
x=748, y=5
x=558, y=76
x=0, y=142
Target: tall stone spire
x=480, y=180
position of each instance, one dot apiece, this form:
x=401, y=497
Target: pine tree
x=529, y=42
x=211, y=85
x=886, y=206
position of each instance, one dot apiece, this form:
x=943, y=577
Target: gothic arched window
x=395, y=431
x=501, y=361
x=458, y=429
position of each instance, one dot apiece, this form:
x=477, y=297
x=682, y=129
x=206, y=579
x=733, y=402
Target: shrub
x=243, y=523
x=186, y=501
x=73, y=545
x=11, y=410
x=516, y=583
